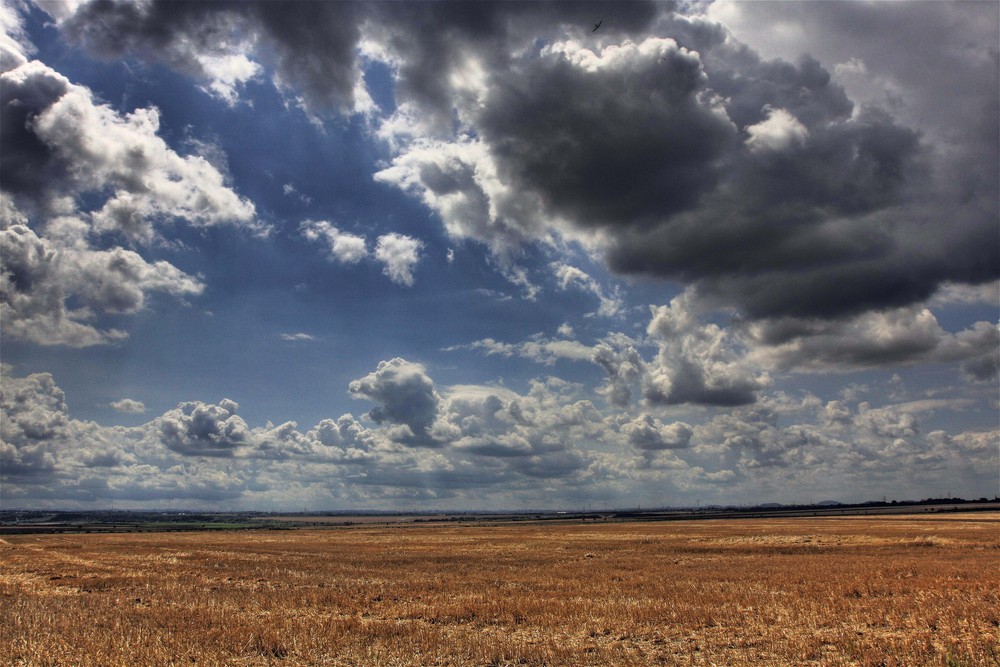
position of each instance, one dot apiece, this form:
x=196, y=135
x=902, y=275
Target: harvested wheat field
x=900, y=590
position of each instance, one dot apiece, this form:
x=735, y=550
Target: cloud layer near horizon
x=455, y=445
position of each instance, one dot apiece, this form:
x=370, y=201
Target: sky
x=466, y=255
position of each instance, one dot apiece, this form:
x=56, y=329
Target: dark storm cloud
x=687, y=155
x=610, y=146
x=28, y=165
x=826, y=207
x=429, y=40
x=885, y=339
x=310, y=45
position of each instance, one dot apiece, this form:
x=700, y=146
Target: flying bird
x=597, y=25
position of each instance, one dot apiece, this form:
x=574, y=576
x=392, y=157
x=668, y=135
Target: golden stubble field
x=901, y=590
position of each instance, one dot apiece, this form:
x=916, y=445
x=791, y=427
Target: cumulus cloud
x=78, y=179
x=779, y=132
x=406, y=397
x=204, y=429
x=875, y=340
x=489, y=441
x=623, y=363
x=227, y=73
x=399, y=255
x=128, y=406
x=686, y=156
x=648, y=433
x=459, y=181
x=39, y=278
x=34, y=417
x=698, y=362
x=342, y=246
x=65, y=143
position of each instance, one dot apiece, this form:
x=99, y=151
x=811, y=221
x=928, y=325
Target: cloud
x=538, y=349
x=406, y=397
x=697, y=363
x=128, y=406
x=63, y=143
x=685, y=156
x=541, y=434
x=39, y=278
x=584, y=165
x=568, y=276
x=298, y=337
x=647, y=433
x=399, y=254
x=309, y=48
x=15, y=47
x=779, y=132
x=491, y=444
x=34, y=416
x=204, y=429
x=342, y=246
x=227, y=73
x=620, y=359
x=459, y=181
x=80, y=179
x=883, y=339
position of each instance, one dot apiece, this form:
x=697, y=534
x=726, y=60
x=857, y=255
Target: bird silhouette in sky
x=597, y=25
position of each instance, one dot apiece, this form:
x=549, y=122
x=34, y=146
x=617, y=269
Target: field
x=893, y=590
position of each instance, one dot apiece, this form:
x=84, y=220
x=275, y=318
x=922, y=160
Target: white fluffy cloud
x=39, y=278
x=648, y=433
x=14, y=43
x=698, y=362
x=618, y=356
x=91, y=148
x=548, y=443
x=129, y=406
x=34, y=416
x=79, y=178
x=227, y=73
x=342, y=246
x=459, y=181
x=399, y=255
x=202, y=429
x=406, y=397
x=779, y=132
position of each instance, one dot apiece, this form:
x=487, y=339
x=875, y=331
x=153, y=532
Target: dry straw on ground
x=918, y=590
